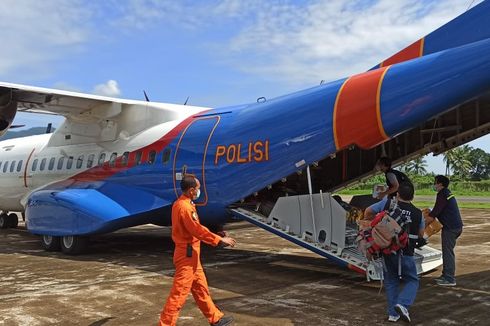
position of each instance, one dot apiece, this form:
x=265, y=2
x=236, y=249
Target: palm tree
x=458, y=160
x=417, y=166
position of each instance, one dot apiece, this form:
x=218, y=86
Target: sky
x=217, y=53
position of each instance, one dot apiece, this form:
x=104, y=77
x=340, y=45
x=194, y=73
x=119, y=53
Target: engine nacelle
x=8, y=109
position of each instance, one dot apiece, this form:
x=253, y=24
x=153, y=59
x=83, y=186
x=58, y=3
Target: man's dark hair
x=386, y=161
x=406, y=191
x=442, y=180
x=188, y=182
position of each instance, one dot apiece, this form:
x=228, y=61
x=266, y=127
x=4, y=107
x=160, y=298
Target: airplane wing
x=51, y=101
x=82, y=108
x=89, y=118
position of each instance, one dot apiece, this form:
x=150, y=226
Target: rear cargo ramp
x=318, y=223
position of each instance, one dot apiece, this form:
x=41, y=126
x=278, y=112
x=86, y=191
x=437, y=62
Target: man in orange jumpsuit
x=187, y=233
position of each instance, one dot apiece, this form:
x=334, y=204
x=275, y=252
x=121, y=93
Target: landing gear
x=73, y=244
x=8, y=220
x=4, y=221
x=50, y=243
x=13, y=220
x=68, y=244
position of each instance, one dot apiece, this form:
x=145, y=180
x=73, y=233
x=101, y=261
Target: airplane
x=117, y=163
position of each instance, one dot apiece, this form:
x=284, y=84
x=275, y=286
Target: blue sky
x=217, y=52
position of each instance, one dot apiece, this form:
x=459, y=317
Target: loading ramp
x=317, y=222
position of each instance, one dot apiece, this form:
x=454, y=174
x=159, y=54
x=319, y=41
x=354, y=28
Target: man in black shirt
x=447, y=212
x=393, y=177
x=399, y=301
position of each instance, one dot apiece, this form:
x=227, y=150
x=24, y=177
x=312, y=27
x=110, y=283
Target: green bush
x=423, y=185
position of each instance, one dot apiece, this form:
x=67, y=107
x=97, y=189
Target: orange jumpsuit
x=189, y=274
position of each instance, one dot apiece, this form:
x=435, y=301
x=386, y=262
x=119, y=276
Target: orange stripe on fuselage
x=412, y=51
x=357, y=117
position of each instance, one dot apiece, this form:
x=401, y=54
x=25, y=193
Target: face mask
x=198, y=193
x=434, y=188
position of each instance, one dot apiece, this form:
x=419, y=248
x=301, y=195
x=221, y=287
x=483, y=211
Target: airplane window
x=6, y=164
x=51, y=163
x=112, y=160
x=166, y=156
x=43, y=164
x=138, y=157
x=125, y=159
x=34, y=165
x=90, y=160
x=19, y=166
x=12, y=166
x=80, y=162
x=69, y=163
x=61, y=160
x=101, y=159
x=151, y=157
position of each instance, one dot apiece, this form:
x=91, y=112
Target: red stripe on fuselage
x=356, y=118
x=412, y=51
x=102, y=172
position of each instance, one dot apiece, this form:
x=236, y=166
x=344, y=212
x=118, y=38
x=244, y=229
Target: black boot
x=224, y=321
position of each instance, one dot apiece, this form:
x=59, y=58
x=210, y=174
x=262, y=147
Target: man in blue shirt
x=399, y=301
x=446, y=210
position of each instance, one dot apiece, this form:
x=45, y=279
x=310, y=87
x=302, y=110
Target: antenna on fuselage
x=48, y=128
x=187, y=99
x=146, y=96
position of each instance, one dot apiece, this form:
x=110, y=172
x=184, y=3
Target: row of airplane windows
x=137, y=159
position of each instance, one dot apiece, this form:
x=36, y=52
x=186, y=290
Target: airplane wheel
x=4, y=221
x=13, y=220
x=50, y=243
x=73, y=244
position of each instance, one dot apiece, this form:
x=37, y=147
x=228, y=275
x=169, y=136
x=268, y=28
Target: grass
x=470, y=205
x=420, y=192
x=430, y=203
x=467, y=193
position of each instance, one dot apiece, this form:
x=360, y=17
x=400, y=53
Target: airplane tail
x=470, y=27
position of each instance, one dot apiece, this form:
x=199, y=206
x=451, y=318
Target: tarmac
x=126, y=276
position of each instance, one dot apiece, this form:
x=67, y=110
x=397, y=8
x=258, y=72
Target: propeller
x=48, y=128
x=146, y=96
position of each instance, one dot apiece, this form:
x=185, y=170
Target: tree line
x=467, y=167
x=463, y=163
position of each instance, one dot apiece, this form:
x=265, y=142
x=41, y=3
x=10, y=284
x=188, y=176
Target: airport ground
x=126, y=276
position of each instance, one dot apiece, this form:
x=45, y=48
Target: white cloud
x=300, y=43
x=109, y=88
x=296, y=43
x=140, y=14
x=332, y=39
x=36, y=33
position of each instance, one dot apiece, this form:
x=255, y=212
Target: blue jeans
x=409, y=277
